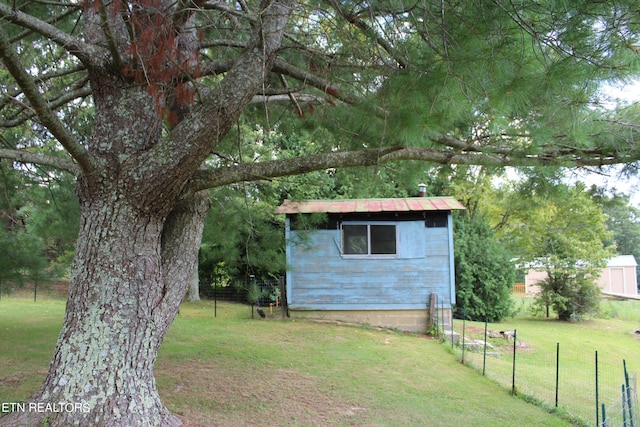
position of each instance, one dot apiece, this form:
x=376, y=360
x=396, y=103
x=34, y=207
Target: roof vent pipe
x=422, y=190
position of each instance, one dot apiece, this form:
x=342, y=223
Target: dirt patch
x=203, y=395
x=16, y=380
x=474, y=330
x=497, y=339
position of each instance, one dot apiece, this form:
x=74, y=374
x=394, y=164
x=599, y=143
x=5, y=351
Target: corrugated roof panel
x=454, y=204
x=345, y=206
x=419, y=204
x=391, y=205
x=371, y=205
x=312, y=207
x=403, y=204
x=286, y=207
x=441, y=204
x=326, y=206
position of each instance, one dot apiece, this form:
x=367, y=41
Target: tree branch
x=300, y=97
x=21, y=117
x=366, y=29
x=22, y=156
x=312, y=79
x=550, y=158
x=277, y=168
x=204, y=179
x=191, y=141
x=73, y=9
x=84, y=52
x=185, y=9
x=47, y=117
x=111, y=41
x=42, y=78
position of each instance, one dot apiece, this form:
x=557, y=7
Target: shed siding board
x=408, y=246
x=319, y=277
x=288, y=250
x=452, y=275
x=437, y=242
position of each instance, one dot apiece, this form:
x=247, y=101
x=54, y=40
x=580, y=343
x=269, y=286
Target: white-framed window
x=369, y=239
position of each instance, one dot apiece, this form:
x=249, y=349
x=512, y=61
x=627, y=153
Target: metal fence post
x=484, y=357
x=440, y=315
x=438, y=321
x=513, y=372
x=628, y=396
x=283, y=296
x=598, y=393
x=624, y=409
x=464, y=330
x=452, y=341
x=557, y=371
x=215, y=299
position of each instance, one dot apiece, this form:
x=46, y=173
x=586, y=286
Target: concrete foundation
x=404, y=320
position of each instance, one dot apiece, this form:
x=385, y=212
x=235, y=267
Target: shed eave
x=413, y=204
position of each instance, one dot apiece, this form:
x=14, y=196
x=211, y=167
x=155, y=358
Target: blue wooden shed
x=370, y=261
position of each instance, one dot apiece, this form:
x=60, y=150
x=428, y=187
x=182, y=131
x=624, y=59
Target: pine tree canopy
x=483, y=82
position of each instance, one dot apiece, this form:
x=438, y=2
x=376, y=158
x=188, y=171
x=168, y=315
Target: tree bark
x=181, y=241
x=193, y=290
x=139, y=236
x=119, y=309
x=108, y=344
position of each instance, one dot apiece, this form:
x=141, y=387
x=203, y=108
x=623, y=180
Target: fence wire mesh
x=579, y=381
x=624, y=410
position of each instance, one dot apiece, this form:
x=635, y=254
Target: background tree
x=484, y=271
x=245, y=238
x=560, y=230
x=135, y=100
x=53, y=218
x=23, y=258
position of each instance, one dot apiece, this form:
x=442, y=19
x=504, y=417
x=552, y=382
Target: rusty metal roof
x=412, y=204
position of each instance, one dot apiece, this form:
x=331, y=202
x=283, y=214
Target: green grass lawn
x=232, y=370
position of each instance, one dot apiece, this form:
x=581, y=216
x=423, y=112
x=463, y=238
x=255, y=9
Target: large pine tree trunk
x=119, y=309
x=140, y=225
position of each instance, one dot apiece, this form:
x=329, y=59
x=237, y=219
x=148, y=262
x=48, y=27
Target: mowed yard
x=232, y=370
